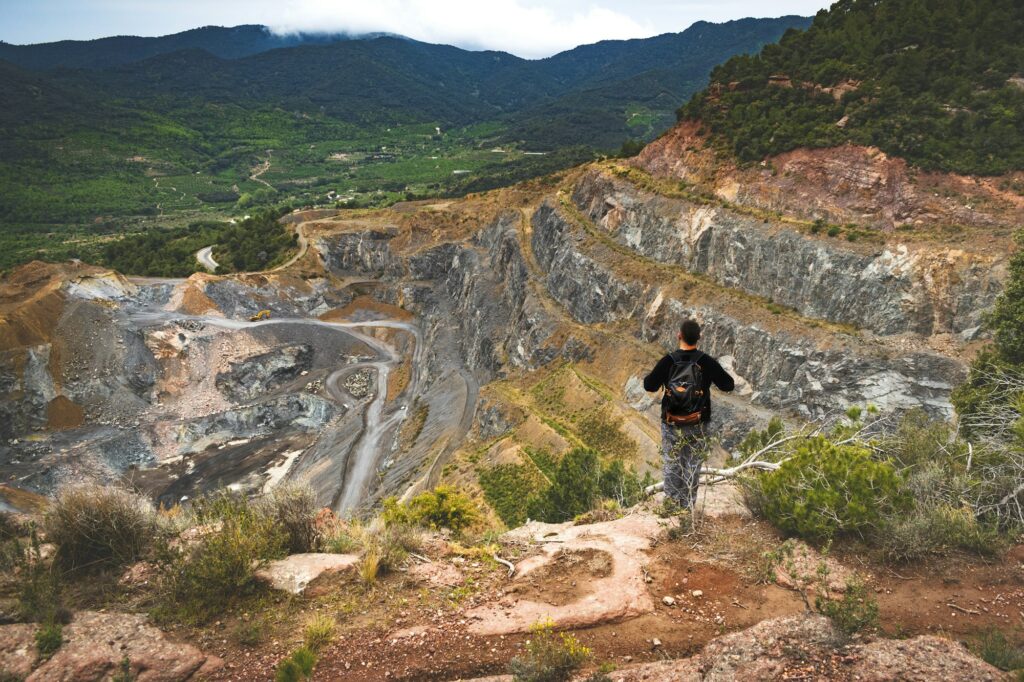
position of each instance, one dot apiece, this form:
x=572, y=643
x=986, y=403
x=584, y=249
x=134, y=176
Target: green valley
x=204, y=128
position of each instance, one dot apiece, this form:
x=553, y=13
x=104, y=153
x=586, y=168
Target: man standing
x=686, y=376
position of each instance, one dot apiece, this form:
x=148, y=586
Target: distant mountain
x=106, y=121
x=937, y=82
x=596, y=95
x=227, y=43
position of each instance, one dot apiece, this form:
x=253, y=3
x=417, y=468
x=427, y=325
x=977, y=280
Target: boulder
x=294, y=573
x=100, y=645
x=919, y=659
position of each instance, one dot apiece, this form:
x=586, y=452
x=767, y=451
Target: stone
x=697, y=594
x=17, y=649
x=668, y=601
x=294, y=573
x=618, y=595
x=96, y=644
x=921, y=659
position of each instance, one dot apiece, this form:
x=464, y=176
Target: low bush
x=548, y=656
x=854, y=612
x=49, y=638
x=507, y=489
x=294, y=509
x=250, y=633
x=579, y=484
x=40, y=590
x=443, y=507
x=927, y=529
x=343, y=538
x=10, y=527
x=998, y=651
x=386, y=547
x=369, y=567
x=319, y=632
x=96, y=526
x=574, y=490
x=824, y=490
x=199, y=580
x=299, y=666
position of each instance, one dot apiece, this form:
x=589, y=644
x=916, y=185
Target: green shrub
x=834, y=231
x=293, y=508
x=39, y=587
x=250, y=633
x=549, y=656
x=319, y=632
x=299, y=666
x=508, y=488
x=602, y=431
x=621, y=485
x=342, y=539
x=856, y=611
x=996, y=650
x=824, y=490
x=199, y=580
x=928, y=529
x=443, y=507
x=574, y=489
x=96, y=526
x=49, y=638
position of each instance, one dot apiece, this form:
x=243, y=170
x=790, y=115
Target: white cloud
x=529, y=28
x=510, y=25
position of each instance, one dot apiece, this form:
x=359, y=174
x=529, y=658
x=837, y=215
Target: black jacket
x=712, y=371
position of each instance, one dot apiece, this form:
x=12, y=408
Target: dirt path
x=303, y=248
x=261, y=169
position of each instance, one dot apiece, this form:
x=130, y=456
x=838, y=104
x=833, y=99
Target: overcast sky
x=529, y=28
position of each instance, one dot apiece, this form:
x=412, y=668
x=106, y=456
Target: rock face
x=890, y=291
x=786, y=371
x=295, y=410
x=259, y=374
x=98, y=646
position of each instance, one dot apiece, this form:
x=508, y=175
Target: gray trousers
x=682, y=454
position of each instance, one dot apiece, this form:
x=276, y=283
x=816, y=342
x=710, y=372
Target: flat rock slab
x=17, y=649
x=96, y=645
x=294, y=573
x=618, y=593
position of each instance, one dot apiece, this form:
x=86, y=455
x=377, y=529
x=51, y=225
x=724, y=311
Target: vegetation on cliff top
x=937, y=82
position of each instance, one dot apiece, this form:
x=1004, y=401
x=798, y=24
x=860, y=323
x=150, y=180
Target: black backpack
x=685, y=395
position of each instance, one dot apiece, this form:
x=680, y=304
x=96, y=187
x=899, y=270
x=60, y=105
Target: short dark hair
x=690, y=331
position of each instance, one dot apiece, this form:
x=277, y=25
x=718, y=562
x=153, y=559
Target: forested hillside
x=938, y=82
x=131, y=133
x=224, y=42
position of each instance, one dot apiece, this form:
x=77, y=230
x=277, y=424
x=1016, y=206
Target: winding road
x=205, y=258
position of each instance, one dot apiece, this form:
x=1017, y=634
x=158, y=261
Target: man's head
x=689, y=332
